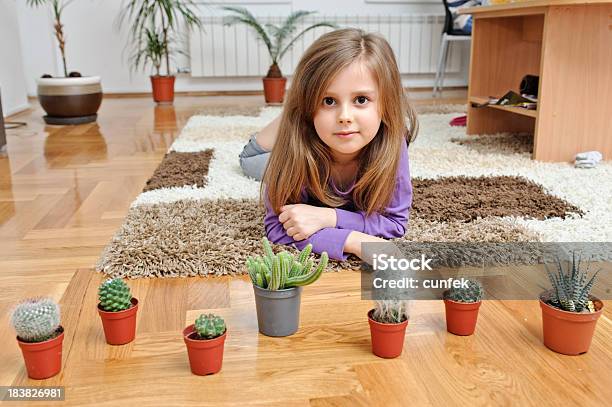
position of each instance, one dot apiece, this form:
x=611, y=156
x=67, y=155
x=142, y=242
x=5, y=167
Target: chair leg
x=441, y=85
x=441, y=65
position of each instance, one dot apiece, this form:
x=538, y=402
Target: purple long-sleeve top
x=392, y=223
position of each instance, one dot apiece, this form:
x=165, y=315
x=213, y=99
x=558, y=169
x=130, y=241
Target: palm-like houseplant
x=71, y=99
x=278, y=40
x=154, y=26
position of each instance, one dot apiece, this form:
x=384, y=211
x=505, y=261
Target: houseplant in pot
x=71, y=99
x=156, y=23
x=569, y=311
x=278, y=40
x=40, y=336
x=462, y=305
x=117, y=309
x=205, y=341
x=277, y=281
x=388, y=321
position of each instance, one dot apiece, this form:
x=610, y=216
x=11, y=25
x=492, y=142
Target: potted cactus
x=462, y=306
x=569, y=311
x=117, y=309
x=205, y=340
x=40, y=336
x=277, y=282
x=388, y=322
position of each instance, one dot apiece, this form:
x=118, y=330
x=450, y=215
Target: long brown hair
x=299, y=157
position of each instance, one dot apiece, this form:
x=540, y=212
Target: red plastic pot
x=569, y=333
x=43, y=359
x=461, y=317
x=163, y=88
x=119, y=326
x=387, y=339
x=274, y=89
x=205, y=355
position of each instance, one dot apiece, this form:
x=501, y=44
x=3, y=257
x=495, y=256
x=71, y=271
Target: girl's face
x=348, y=117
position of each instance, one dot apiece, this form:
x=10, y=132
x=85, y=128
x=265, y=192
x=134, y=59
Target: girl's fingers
x=298, y=236
x=283, y=217
x=291, y=231
x=288, y=224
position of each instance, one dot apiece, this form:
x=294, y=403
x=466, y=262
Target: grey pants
x=253, y=159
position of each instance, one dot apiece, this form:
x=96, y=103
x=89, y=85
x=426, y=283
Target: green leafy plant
x=209, y=326
x=57, y=6
x=472, y=293
x=282, y=270
x=36, y=319
x=114, y=295
x=571, y=287
x=278, y=38
x=154, y=26
x=391, y=311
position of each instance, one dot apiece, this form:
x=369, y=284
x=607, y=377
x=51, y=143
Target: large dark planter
x=278, y=312
x=387, y=339
x=70, y=100
x=274, y=89
x=569, y=333
x=43, y=359
x=205, y=355
x=119, y=326
x=163, y=89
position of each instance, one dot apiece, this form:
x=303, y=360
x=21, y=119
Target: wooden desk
x=569, y=45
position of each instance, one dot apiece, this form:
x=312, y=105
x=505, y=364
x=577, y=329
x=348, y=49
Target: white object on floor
x=588, y=159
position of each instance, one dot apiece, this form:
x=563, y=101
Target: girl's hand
x=301, y=220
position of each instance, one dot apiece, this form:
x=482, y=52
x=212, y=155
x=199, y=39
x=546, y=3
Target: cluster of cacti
x=571, y=289
x=36, y=320
x=209, y=326
x=391, y=311
x=114, y=295
x=282, y=270
x=471, y=293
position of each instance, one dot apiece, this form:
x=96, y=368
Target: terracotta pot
x=70, y=100
x=387, y=339
x=43, y=359
x=119, y=326
x=569, y=333
x=205, y=355
x=274, y=89
x=461, y=317
x=163, y=89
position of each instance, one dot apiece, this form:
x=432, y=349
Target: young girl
x=338, y=174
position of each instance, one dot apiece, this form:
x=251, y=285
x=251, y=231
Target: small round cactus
x=209, y=326
x=114, y=295
x=473, y=292
x=36, y=319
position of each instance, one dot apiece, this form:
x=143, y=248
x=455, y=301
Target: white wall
x=96, y=46
x=12, y=80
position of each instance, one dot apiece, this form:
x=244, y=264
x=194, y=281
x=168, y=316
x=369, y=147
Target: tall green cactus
x=209, y=326
x=114, y=295
x=281, y=271
x=36, y=320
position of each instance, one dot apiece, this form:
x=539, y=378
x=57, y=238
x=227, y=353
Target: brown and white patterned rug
x=198, y=214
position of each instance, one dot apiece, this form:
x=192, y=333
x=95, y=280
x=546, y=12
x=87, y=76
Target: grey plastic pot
x=278, y=312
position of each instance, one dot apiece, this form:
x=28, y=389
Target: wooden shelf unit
x=511, y=109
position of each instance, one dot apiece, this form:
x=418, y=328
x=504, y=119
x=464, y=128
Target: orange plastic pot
x=205, y=355
x=119, y=326
x=387, y=339
x=163, y=88
x=274, y=89
x=461, y=317
x=43, y=359
x=569, y=333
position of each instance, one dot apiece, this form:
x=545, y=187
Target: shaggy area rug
x=199, y=215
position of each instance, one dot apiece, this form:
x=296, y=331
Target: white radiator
x=226, y=51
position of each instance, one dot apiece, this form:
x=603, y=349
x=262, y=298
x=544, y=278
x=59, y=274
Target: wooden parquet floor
x=65, y=190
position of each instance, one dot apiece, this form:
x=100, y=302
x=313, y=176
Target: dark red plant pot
x=43, y=359
x=120, y=326
x=569, y=333
x=205, y=355
x=163, y=88
x=461, y=317
x=387, y=339
x=274, y=89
